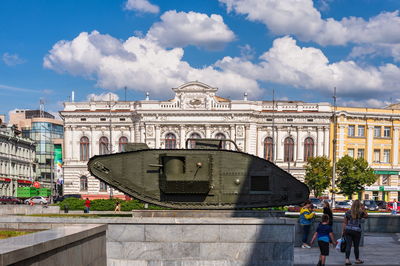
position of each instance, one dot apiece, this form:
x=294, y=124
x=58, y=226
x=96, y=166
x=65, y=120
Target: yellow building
x=374, y=135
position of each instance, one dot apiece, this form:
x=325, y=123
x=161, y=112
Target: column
x=141, y=134
x=320, y=141
x=396, y=146
x=92, y=141
x=259, y=146
x=158, y=137
x=208, y=132
x=370, y=141
x=232, y=133
x=278, y=143
x=137, y=132
x=132, y=134
x=247, y=140
x=340, y=141
x=298, y=148
x=326, y=142
x=67, y=143
x=182, y=133
x=73, y=142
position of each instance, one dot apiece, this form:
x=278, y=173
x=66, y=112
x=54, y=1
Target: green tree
x=353, y=175
x=318, y=174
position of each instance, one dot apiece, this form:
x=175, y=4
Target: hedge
x=105, y=205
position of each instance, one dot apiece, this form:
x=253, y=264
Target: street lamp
x=289, y=150
x=110, y=149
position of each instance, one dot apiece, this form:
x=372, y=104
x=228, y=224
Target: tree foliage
x=318, y=174
x=353, y=175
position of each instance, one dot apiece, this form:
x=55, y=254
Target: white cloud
x=370, y=103
x=12, y=59
x=107, y=96
x=179, y=29
x=302, y=19
x=139, y=64
x=375, y=50
x=141, y=6
x=307, y=67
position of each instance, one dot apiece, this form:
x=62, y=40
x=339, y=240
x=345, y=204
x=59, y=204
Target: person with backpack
x=324, y=233
x=351, y=230
x=306, y=219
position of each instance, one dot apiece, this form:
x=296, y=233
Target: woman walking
x=328, y=211
x=352, y=230
x=306, y=219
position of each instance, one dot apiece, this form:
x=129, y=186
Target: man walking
x=87, y=205
x=394, y=209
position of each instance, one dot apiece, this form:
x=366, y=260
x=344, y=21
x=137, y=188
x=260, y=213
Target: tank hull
x=199, y=178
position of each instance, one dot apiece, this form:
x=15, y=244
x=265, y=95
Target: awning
x=5, y=179
x=22, y=181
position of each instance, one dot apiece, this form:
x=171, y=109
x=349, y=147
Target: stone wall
x=6, y=209
x=64, y=245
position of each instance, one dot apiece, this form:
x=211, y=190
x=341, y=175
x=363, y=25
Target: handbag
x=343, y=245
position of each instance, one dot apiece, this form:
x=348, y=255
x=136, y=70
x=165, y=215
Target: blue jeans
x=306, y=231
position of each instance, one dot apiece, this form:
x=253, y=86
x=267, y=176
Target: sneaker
x=305, y=246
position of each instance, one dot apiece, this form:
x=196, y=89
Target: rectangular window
x=103, y=186
x=350, y=152
x=386, y=132
x=377, y=132
x=310, y=120
x=385, y=179
x=83, y=119
x=386, y=156
x=377, y=156
x=361, y=131
x=290, y=119
x=360, y=153
x=351, y=130
x=102, y=119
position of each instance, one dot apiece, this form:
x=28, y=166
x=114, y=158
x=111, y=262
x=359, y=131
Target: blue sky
x=300, y=48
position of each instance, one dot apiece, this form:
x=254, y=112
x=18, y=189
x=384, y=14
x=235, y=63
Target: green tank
x=208, y=175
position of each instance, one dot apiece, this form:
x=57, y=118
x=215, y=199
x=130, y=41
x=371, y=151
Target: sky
x=301, y=49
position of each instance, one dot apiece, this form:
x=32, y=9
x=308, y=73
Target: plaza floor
x=380, y=250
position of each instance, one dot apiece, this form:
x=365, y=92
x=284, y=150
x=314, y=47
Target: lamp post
x=110, y=127
x=289, y=150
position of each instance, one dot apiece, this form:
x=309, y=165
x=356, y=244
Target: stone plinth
x=201, y=241
x=207, y=213
x=65, y=245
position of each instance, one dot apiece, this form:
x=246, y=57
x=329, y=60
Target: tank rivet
x=199, y=164
x=237, y=181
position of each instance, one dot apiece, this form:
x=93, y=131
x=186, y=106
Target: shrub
x=105, y=205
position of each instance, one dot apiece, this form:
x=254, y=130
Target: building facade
x=48, y=133
x=17, y=161
x=284, y=132
x=372, y=134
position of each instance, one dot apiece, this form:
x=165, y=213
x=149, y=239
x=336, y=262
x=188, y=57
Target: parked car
x=317, y=203
x=370, y=205
x=343, y=205
x=37, y=200
x=390, y=206
x=61, y=198
x=381, y=204
x=9, y=200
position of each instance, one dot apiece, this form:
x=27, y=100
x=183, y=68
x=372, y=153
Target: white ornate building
x=299, y=129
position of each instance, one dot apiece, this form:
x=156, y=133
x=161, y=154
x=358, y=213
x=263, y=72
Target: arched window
x=170, y=141
x=222, y=143
x=103, y=146
x=269, y=148
x=84, y=149
x=308, y=148
x=192, y=143
x=122, y=143
x=288, y=149
x=84, y=183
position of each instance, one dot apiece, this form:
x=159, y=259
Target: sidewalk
x=380, y=249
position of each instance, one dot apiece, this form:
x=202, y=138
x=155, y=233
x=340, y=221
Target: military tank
x=208, y=174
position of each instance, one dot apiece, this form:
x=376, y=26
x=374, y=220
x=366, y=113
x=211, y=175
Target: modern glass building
x=48, y=133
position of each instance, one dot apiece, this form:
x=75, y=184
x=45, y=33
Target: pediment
x=195, y=87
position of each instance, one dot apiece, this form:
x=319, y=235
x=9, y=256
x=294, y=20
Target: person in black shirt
x=328, y=211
